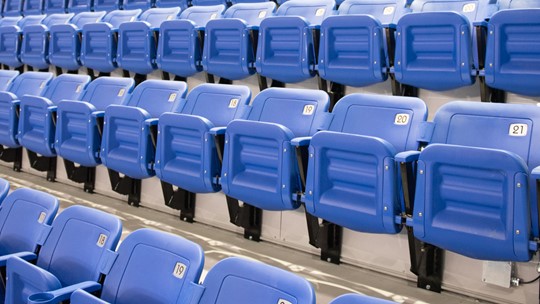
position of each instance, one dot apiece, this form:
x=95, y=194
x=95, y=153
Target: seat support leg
x=12, y=155
x=127, y=186
x=246, y=216
x=179, y=199
x=326, y=236
x=81, y=174
x=43, y=164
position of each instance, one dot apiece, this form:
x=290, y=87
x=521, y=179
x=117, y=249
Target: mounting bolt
x=515, y=282
x=419, y=213
x=518, y=185
x=517, y=231
x=385, y=208
x=386, y=167
x=284, y=150
x=311, y=155
x=428, y=287
x=310, y=192
x=421, y=171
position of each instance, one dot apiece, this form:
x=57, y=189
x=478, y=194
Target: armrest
x=407, y=156
x=52, y=109
x=482, y=23
x=301, y=141
x=535, y=173
x=25, y=255
x=8, y=96
x=98, y=114
x=151, y=122
x=81, y=296
x=218, y=131
x=62, y=294
x=10, y=29
x=253, y=27
x=390, y=25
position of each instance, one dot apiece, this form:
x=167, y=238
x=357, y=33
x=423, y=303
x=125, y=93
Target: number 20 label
x=401, y=119
x=518, y=130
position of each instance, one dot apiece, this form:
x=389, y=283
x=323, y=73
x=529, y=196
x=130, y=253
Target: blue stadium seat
x=4, y=190
x=37, y=119
x=11, y=29
x=78, y=137
x=137, y=4
x=6, y=79
x=209, y=2
x=137, y=40
x=172, y=276
x=127, y=146
x=476, y=181
x=12, y=8
x=237, y=280
x=35, y=42
x=434, y=44
x=353, y=298
x=24, y=216
x=65, y=40
x=32, y=7
x=259, y=161
x=77, y=246
x=286, y=50
x=512, y=49
x=29, y=83
x=233, y=2
x=55, y=6
x=79, y=6
x=99, y=40
x=354, y=161
x=107, y=5
x=180, y=46
x=183, y=4
x=186, y=151
x=353, y=44
x=229, y=46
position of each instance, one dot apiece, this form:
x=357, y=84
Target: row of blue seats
x=47, y=261
x=216, y=139
x=429, y=44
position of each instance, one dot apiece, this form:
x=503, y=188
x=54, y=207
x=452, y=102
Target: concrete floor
x=329, y=280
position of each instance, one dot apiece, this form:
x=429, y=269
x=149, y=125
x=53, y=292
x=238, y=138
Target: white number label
x=233, y=103
x=319, y=12
x=389, y=10
x=467, y=8
x=179, y=270
x=308, y=110
x=41, y=217
x=401, y=119
x=121, y=92
x=172, y=97
x=281, y=301
x=101, y=240
x=518, y=130
x=262, y=14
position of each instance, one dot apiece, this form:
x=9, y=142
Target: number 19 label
x=518, y=130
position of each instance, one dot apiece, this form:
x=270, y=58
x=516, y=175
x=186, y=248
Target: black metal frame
x=81, y=174
x=43, y=164
x=127, y=186
x=12, y=155
x=179, y=199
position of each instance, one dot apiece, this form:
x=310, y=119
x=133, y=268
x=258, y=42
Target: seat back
x=155, y=16
x=182, y=4
x=79, y=238
x=353, y=298
x=31, y=83
x=115, y=18
x=4, y=189
x=10, y=21
x=304, y=114
x=158, y=96
x=251, y=13
x=58, y=18
x=387, y=11
x=518, y=4
x=105, y=91
x=200, y=15
x=177, y=266
x=32, y=7
x=107, y=5
x=233, y=2
x=23, y=215
x=509, y=65
x=476, y=10
x=236, y=280
x=208, y=2
x=29, y=20
x=313, y=12
x=55, y=6
x=355, y=161
x=6, y=79
x=78, y=6
x=12, y=8
x=137, y=4
x=482, y=201
x=86, y=17
x=65, y=86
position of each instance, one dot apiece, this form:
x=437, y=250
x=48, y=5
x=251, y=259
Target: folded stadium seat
x=353, y=161
x=37, y=120
x=137, y=4
x=511, y=50
x=180, y=41
x=238, y=280
x=23, y=218
x=209, y=2
x=287, y=42
x=55, y=6
x=28, y=83
x=73, y=250
x=79, y=125
x=107, y=5
x=12, y=8
x=171, y=277
x=434, y=44
x=476, y=182
x=35, y=41
x=186, y=154
x=183, y=4
x=11, y=29
x=231, y=42
x=353, y=298
x=32, y=7
x=259, y=162
x=79, y=6
x=99, y=41
x=65, y=40
x=6, y=79
x=130, y=131
x=353, y=46
x=137, y=41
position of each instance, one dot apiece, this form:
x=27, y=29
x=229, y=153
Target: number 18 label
x=518, y=130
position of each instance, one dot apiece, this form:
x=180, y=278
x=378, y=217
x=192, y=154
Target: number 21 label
x=518, y=130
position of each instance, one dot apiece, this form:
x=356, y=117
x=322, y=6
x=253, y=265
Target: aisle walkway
x=329, y=280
